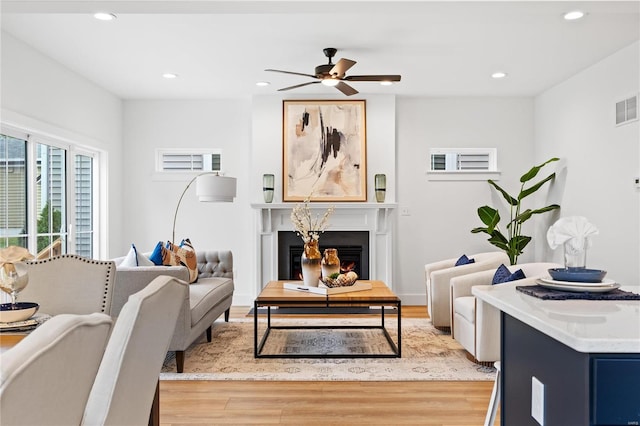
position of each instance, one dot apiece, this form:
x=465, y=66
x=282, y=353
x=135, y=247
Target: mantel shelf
x=324, y=205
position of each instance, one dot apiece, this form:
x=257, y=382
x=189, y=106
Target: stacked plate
x=582, y=280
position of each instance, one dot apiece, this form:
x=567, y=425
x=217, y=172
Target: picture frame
x=324, y=145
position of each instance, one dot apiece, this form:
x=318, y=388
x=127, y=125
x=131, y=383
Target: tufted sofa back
x=215, y=263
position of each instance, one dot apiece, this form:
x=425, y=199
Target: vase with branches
x=514, y=242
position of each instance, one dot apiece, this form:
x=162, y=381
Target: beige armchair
x=127, y=380
x=47, y=377
x=70, y=284
x=437, y=277
x=476, y=324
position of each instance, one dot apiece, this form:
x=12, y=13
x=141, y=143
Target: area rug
x=427, y=354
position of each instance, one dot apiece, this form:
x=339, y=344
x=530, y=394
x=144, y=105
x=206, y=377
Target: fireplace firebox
x=352, y=246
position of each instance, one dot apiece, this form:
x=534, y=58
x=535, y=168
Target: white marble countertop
x=607, y=326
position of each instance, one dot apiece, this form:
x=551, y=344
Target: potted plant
x=514, y=242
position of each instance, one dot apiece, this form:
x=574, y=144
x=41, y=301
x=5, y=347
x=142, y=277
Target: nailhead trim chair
x=70, y=284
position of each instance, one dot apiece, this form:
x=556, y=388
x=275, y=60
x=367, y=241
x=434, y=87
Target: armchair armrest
x=461, y=286
x=443, y=264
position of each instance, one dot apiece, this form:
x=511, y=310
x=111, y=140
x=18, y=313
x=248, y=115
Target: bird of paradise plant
x=514, y=242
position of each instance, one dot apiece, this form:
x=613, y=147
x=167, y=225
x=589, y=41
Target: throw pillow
x=181, y=255
x=156, y=254
x=142, y=259
x=464, y=260
x=131, y=259
x=504, y=275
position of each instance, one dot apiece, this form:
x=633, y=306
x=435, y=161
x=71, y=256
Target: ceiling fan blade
x=341, y=67
x=298, y=85
x=346, y=89
x=373, y=78
x=294, y=73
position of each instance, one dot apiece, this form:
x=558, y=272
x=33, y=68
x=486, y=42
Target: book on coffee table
x=322, y=289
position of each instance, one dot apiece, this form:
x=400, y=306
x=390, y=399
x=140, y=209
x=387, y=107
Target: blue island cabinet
x=596, y=389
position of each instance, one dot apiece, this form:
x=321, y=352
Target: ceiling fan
x=333, y=75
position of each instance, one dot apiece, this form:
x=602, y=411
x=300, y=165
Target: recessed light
x=498, y=75
x=104, y=16
x=386, y=83
x=573, y=15
x=169, y=75
x=262, y=83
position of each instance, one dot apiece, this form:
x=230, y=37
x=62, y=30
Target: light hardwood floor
x=324, y=403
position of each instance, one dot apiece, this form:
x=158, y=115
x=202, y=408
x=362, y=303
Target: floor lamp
x=210, y=187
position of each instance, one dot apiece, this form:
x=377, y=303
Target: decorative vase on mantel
x=311, y=264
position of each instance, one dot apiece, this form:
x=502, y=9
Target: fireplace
x=369, y=225
x=352, y=246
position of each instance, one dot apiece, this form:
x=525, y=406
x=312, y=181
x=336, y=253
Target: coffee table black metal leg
x=399, y=329
x=255, y=329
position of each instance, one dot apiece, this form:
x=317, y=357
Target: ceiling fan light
x=331, y=82
x=386, y=83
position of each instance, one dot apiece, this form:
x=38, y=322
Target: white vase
x=311, y=264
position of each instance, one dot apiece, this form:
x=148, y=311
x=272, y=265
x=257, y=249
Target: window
x=47, y=192
x=187, y=160
x=462, y=163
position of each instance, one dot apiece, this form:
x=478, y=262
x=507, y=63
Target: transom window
x=462, y=163
x=169, y=160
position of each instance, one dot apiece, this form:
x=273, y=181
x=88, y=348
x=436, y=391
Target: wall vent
x=626, y=110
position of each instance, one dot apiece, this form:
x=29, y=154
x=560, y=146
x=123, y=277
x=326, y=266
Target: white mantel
x=376, y=218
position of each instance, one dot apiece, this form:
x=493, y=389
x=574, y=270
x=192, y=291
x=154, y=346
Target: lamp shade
x=213, y=188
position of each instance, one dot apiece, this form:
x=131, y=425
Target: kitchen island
x=583, y=354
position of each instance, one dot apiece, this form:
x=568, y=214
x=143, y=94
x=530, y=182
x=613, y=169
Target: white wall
x=39, y=94
x=399, y=134
x=150, y=203
x=442, y=214
x=576, y=120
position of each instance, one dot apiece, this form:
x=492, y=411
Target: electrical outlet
x=404, y=211
x=537, y=400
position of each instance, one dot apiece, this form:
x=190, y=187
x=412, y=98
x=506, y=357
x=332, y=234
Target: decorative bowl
x=343, y=280
x=19, y=312
x=577, y=275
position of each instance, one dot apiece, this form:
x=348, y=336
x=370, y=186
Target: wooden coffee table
x=274, y=294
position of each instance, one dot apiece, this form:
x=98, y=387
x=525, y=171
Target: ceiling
x=219, y=49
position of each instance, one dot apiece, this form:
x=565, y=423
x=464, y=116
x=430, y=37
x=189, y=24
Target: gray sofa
x=209, y=297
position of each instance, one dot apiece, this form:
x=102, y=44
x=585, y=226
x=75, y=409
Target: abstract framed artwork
x=324, y=150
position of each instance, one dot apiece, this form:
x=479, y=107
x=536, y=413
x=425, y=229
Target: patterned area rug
x=427, y=354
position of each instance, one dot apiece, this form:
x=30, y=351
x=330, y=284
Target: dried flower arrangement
x=308, y=226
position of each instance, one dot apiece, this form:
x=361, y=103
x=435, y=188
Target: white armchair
x=476, y=324
x=47, y=377
x=437, y=277
x=127, y=380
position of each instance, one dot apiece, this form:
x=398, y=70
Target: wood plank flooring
x=324, y=403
